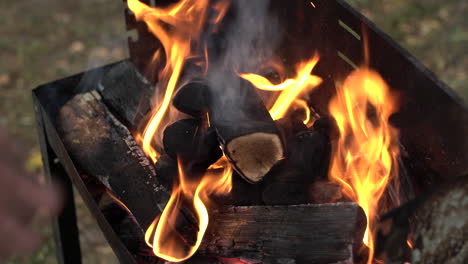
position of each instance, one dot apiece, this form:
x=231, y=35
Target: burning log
x=296, y=234
x=188, y=140
x=246, y=131
x=306, y=162
x=244, y=193
x=104, y=148
x=127, y=93
x=191, y=99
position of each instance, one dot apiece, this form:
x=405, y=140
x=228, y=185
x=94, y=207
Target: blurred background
x=47, y=40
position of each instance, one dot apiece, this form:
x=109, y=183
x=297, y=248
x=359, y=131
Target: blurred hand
x=22, y=204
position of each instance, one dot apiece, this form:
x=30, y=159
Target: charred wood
x=306, y=162
x=104, y=148
x=309, y=154
x=437, y=221
x=290, y=126
x=325, y=192
x=440, y=226
x=244, y=193
x=126, y=93
x=198, y=147
x=285, y=186
x=271, y=234
x=192, y=99
x=246, y=131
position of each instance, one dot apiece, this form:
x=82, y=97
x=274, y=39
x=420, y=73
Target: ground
x=46, y=40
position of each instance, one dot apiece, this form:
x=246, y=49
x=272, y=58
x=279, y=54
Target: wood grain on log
x=104, y=148
x=300, y=234
x=441, y=226
x=126, y=93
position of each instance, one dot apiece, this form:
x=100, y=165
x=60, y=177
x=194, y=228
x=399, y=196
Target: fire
x=178, y=27
x=364, y=159
x=290, y=89
x=166, y=242
x=186, y=19
x=364, y=156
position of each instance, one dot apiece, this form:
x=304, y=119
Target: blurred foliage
x=434, y=31
x=51, y=39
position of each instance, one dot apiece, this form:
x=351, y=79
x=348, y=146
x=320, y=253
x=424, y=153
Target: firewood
x=196, y=146
x=309, y=153
x=437, y=223
x=284, y=185
x=325, y=192
x=278, y=234
x=122, y=222
x=440, y=226
x=167, y=171
x=104, y=148
x=191, y=99
x=246, y=131
x=290, y=126
x=307, y=161
x=244, y=193
x=126, y=93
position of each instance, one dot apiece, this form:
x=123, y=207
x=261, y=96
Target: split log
x=104, y=148
x=246, y=131
x=286, y=234
x=440, y=231
x=126, y=93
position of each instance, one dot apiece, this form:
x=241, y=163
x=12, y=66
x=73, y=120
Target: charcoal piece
x=309, y=154
x=246, y=131
x=180, y=137
x=197, y=147
x=284, y=185
x=326, y=233
x=244, y=193
x=289, y=127
x=192, y=99
x=327, y=126
x=104, y=148
x=126, y=93
x=321, y=192
x=285, y=194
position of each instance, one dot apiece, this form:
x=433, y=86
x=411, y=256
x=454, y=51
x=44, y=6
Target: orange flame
x=409, y=243
x=178, y=27
x=365, y=155
x=290, y=89
x=167, y=243
x=186, y=19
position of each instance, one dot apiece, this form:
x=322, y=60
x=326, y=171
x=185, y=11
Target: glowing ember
x=364, y=159
x=290, y=89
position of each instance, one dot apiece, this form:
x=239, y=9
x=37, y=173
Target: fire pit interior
x=260, y=132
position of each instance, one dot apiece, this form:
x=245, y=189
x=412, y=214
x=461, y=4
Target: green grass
x=46, y=40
